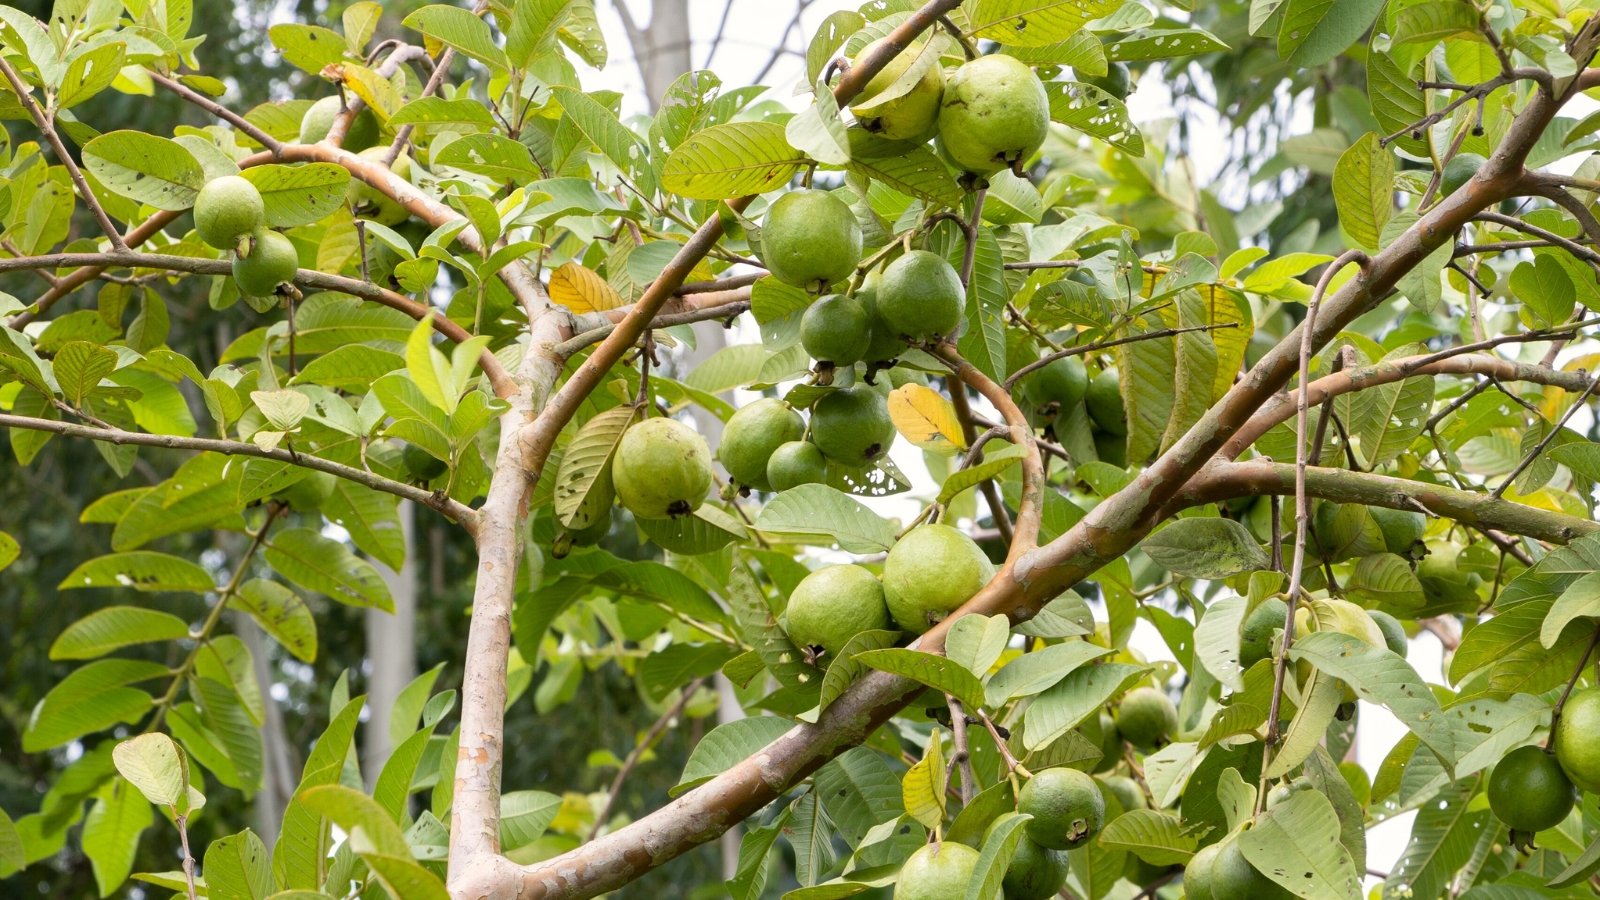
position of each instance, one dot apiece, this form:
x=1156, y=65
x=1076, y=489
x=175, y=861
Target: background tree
x=454, y=279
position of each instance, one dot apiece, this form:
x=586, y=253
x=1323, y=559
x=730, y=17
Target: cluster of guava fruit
x=768, y=446
x=1533, y=788
x=1054, y=391
x=229, y=214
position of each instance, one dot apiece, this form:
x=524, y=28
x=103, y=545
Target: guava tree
x=1286, y=434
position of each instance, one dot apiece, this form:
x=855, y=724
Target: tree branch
x=427, y=498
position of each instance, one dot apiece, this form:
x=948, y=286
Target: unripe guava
x=836, y=330
x=852, y=426
x=1061, y=383
x=994, y=116
x=1197, y=873
x=272, y=261
x=1066, y=806
x=309, y=493
x=1101, y=730
x=662, y=469
x=1126, y=790
x=796, y=463
x=1394, y=634
x=920, y=296
x=1035, y=872
x=421, y=465
x=1343, y=531
x=1255, y=635
x=372, y=203
x=751, y=436
x=1234, y=878
x=1103, y=399
x=810, y=239
x=1528, y=790
x=1458, y=171
x=1402, y=530
x=1445, y=585
x=1577, y=748
x=936, y=872
x=883, y=342
x=930, y=572
x=318, y=121
x=1117, y=81
x=226, y=210
x=834, y=604
x=913, y=114
x=1146, y=717
x=1111, y=448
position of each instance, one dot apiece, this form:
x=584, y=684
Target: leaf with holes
x=145, y=168
x=299, y=195
x=583, y=491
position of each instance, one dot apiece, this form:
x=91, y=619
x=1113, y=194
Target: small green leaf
x=1580, y=600
x=457, y=27
x=154, y=764
x=731, y=160
x=140, y=570
x=1034, y=23
x=976, y=642
x=145, y=168
x=282, y=614
x=238, y=867
x=938, y=672
x=726, y=746
x=1363, y=189
x=1155, y=836
x=1205, y=548
x=114, y=627
x=816, y=513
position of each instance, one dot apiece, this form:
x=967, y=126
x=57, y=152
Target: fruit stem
x=961, y=760
x=970, y=51
x=1000, y=743
x=1577, y=672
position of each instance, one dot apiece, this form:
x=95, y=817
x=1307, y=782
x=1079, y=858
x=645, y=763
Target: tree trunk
x=391, y=649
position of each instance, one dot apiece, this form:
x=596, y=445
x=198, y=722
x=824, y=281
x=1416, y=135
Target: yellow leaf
x=582, y=290
x=926, y=419
x=922, y=789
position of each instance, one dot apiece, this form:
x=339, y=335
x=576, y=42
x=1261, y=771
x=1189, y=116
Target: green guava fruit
x=913, y=113
x=272, y=261
x=1117, y=81
x=836, y=330
x=1234, y=878
x=1126, y=790
x=1446, y=587
x=1141, y=873
x=1111, y=448
x=1035, y=872
x=994, y=116
x=852, y=426
x=796, y=463
x=1458, y=171
x=309, y=493
x=1394, y=634
x=662, y=469
x=1528, y=790
x=1402, y=530
x=1343, y=531
x=1146, y=717
x=421, y=465
x=1197, y=880
x=930, y=572
x=936, y=872
x=920, y=296
x=226, y=210
x=1066, y=806
x=1577, y=749
x=1255, y=635
x=810, y=239
x=371, y=203
x=1102, y=732
x=318, y=121
x=1103, y=399
x=751, y=436
x=834, y=604
x=883, y=342
x=1061, y=384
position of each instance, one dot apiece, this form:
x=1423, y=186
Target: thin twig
x=1544, y=442
x=637, y=753
x=1081, y=349
x=1561, y=705
x=245, y=126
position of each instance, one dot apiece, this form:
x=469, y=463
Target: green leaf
x=320, y=564
x=999, y=846
x=726, y=746
x=1313, y=32
x=79, y=367
x=1296, y=844
x=1363, y=186
x=731, y=160
x=237, y=867
x=351, y=809
x=938, y=672
x=975, y=642
x=141, y=570
x=401, y=876
x=1081, y=694
x=1216, y=641
x=91, y=698
x=1443, y=836
x=818, y=514
x=114, y=627
x=310, y=48
x=1164, y=43
x=819, y=132
x=154, y=764
x=1205, y=548
x=524, y=816
x=859, y=792
x=1580, y=869
x=303, y=842
x=1034, y=23
x=1039, y=670
x=845, y=668
x=299, y=195
x=665, y=671
x=457, y=27
x=145, y=168
x=583, y=492
x=1581, y=600
x=915, y=172
x=282, y=614
x=9, y=550
x=994, y=462
x=491, y=155
x=11, y=852
x=111, y=834
x=707, y=530
x=1094, y=112
x=1380, y=676
x=1384, y=579
x=1155, y=836
x=1545, y=290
